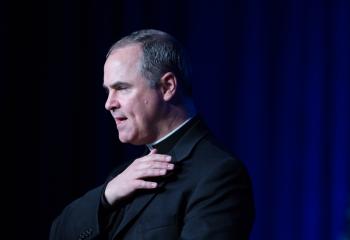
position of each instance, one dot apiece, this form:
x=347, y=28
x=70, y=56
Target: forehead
x=129, y=54
x=122, y=64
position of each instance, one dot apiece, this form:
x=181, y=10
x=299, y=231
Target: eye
x=121, y=88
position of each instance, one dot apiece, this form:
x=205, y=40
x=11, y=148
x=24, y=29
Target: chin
x=128, y=140
x=125, y=140
x=132, y=139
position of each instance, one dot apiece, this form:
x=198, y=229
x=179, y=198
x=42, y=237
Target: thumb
x=153, y=151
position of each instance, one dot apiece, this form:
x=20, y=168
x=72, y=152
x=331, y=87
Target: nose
x=112, y=102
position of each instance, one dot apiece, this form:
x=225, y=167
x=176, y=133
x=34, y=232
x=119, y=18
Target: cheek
x=143, y=107
x=139, y=109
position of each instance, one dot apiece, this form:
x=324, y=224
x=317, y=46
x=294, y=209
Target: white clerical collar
x=150, y=146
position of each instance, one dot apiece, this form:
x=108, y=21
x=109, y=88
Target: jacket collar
x=180, y=144
x=189, y=139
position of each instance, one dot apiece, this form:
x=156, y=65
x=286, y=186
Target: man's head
x=146, y=77
x=162, y=53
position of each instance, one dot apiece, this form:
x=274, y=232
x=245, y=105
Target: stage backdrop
x=271, y=79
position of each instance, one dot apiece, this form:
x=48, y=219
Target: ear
x=168, y=86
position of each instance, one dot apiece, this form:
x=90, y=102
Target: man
x=186, y=186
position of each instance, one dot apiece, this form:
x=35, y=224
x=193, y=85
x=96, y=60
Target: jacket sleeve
x=221, y=206
x=80, y=219
x=86, y=217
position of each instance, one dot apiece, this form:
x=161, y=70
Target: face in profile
x=135, y=106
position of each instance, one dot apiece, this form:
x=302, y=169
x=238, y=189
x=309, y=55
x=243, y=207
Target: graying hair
x=162, y=53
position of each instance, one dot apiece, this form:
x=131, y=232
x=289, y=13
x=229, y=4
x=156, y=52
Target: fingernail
x=162, y=171
x=168, y=158
x=170, y=166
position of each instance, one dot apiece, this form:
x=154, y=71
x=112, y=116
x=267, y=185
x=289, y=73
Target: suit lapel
x=179, y=152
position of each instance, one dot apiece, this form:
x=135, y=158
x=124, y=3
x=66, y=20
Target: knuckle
x=134, y=184
x=143, y=172
x=159, y=164
x=165, y=165
x=139, y=184
x=138, y=166
x=154, y=165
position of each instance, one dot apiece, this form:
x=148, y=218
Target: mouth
x=120, y=120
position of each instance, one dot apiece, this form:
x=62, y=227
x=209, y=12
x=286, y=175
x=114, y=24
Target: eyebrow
x=117, y=85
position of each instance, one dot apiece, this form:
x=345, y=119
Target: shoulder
x=211, y=152
x=210, y=158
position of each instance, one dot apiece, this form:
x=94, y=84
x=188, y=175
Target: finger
x=149, y=172
x=141, y=184
x=153, y=151
x=162, y=165
x=156, y=157
x=156, y=165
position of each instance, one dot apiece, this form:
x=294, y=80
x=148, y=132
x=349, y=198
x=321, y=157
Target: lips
x=120, y=119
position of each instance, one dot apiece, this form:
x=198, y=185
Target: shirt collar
x=168, y=137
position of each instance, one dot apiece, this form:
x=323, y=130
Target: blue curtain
x=276, y=87
x=271, y=78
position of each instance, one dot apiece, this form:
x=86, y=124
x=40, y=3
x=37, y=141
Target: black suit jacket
x=207, y=196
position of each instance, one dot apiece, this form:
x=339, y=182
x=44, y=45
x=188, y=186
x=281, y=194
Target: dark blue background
x=271, y=79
